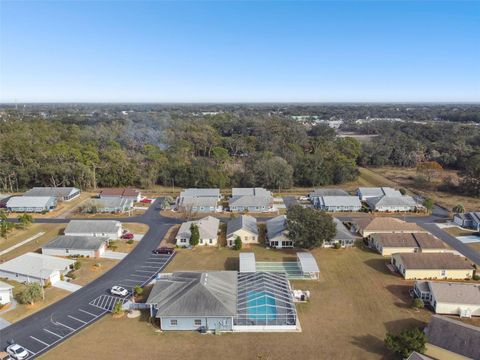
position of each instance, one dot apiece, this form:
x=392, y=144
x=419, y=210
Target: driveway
x=48, y=327
x=68, y=286
x=3, y=324
x=115, y=255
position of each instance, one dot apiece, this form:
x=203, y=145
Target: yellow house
x=432, y=266
x=245, y=227
x=385, y=225
x=449, y=339
x=388, y=244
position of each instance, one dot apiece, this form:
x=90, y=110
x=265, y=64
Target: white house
x=111, y=229
x=450, y=298
x=277, y=233
x=365, y=193
x=33, y=267
x=385, y=203
x=60, y=193
x=6, y=293
x=89, y=246
x=208, y=228
x=245, y=227
x=31, y=203
x=469, y=220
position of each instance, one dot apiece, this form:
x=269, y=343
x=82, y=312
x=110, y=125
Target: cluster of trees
x=174, y=150
x=6, y=226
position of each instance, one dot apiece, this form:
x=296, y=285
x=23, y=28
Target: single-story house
x=469, y=220
x=432, y=266
x=317, y=193
x=452, y=339
x=277, y=233
x=223, y=301
x=202, y=204
x=450, y=298
x=33, y=267
x=111, y=229
x=388, y=244
x=251, y=200
x=208, y=228
x=371, y=225
x=342, y=236
x=6, y=293
x=31, y=203
x=111, y=204
x=365, y=193
x=60, y=193
x=195, y=192
x=402, y=203
x=127, y=193
x=195, y=300
x=243, y=226
x=339, y=203
x=63, y=245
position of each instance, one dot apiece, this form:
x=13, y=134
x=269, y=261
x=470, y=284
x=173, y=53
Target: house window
x=183, y=240
x=210, y=241
x=197, y=322
x=443, y=272
x=67, y=251
x=173, y=322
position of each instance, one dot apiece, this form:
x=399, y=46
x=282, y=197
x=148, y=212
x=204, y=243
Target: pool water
x=260, y=306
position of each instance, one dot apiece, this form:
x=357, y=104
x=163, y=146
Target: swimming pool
x=260, y=306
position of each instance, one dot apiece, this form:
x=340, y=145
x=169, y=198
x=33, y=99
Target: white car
x=17, y=352
x=119, y=291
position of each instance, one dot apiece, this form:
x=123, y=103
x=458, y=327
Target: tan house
x=432, y=266
x=384, y=225
x=388, y=244
x=245, y=227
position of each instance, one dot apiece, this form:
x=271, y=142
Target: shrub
x=418, y=303
x=476, y=277
x=117, y=308
x=130, y=242
x=71, y=275
x=31, y=294
x=337, y=245
x=98, y=265
x=62, y=277
x=402, y=191
x=138, y=290
x=406, y=342
x=77, y=265
x=237, y=244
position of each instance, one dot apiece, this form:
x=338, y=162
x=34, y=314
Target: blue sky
x=239, y=51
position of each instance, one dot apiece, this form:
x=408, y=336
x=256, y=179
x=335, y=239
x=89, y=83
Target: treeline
x=171, y=149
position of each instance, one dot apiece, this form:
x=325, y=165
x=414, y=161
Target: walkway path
x=22, y=243
x=68, y=286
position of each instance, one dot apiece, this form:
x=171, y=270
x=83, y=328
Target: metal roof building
x=308, y=264
x=31, y=203
x=247, y=262
x=63, y=245
x=60, y=193
x=211, y=192
x=109, y=228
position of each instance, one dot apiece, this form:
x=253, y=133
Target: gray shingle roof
x=212, y=293
x=201, y=192
x=400, y=201
x=455, y=293
x=454, y=336
x=342, y=232
x=92, y=226
x=112, y=202
x=328, y=192
x=378, y=191
x=251, y=191
x=277, y=228
x=76, y=242
x=340, y=201
x=245, y=222
x=36, y=265
x=250, y=200
x=51, y=191
x=201, y=201
x=28, y=201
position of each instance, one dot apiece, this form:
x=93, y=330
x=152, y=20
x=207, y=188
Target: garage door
x=55, y=277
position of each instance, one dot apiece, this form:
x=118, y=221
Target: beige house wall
x=437, y=274
x=246, y=236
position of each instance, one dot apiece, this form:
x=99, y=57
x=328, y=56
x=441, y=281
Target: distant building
x=110, y=205
x=34, y=204
x=33, y=267
x=208, y=228
x=127, y=193
x=60, y=193
x=388, y=244
x=250, y=200
x=277, y=233
x=245, y=227
x=318, y=193
x=402, y=203
x=365, y=193
x=450, y=298
x=63, y=245
x=452, y=339
x=194, y=204
x=432, y=266
x=111, y=229
x=339, y=203
x=469, y=220
x=201, y=192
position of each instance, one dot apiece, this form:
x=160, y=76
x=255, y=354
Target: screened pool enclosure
x=264, y=299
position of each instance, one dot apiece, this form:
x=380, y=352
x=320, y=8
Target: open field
x=122, y=245
x=89, y=272
x=17, y=235
x=132, y=213
x=404, y=177
x=356, y=301
x=52, y=295
x=136, y=228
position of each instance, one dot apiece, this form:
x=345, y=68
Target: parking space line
x=138, y=275
x=145, y=271
x=68, y=327
x=40, y=341
x=74, y=318
x=51, y=332
x=30, y=351
x=130, y=280
x=86, y=312
x=148, y=266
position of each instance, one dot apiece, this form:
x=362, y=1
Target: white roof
x=207, y=227
x=36, y=265
x=51, y=191
x=340, y=201
x=247, y=262
x=92, y=226
x=28, y=201
x=378, y=191
x=308, y=264
x=201, y=192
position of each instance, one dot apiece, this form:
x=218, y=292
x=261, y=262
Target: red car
x=146, y=201
x=164, y=250
x=127, y=236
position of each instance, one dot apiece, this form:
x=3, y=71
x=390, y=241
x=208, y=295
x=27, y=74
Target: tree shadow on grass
x=397, y=326
x=232, y=263
x=402, y=293
x=379, y=264
x=372, y=344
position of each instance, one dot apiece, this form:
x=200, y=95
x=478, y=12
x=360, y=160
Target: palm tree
x=458, y=209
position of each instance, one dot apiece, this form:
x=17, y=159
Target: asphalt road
x=50, y=326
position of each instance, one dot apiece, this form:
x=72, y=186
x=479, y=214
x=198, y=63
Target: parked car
x=17, y=352
x=164, y=250
x=127, y=236
x=118, y=290
x=146, y=201
x=303, y=198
